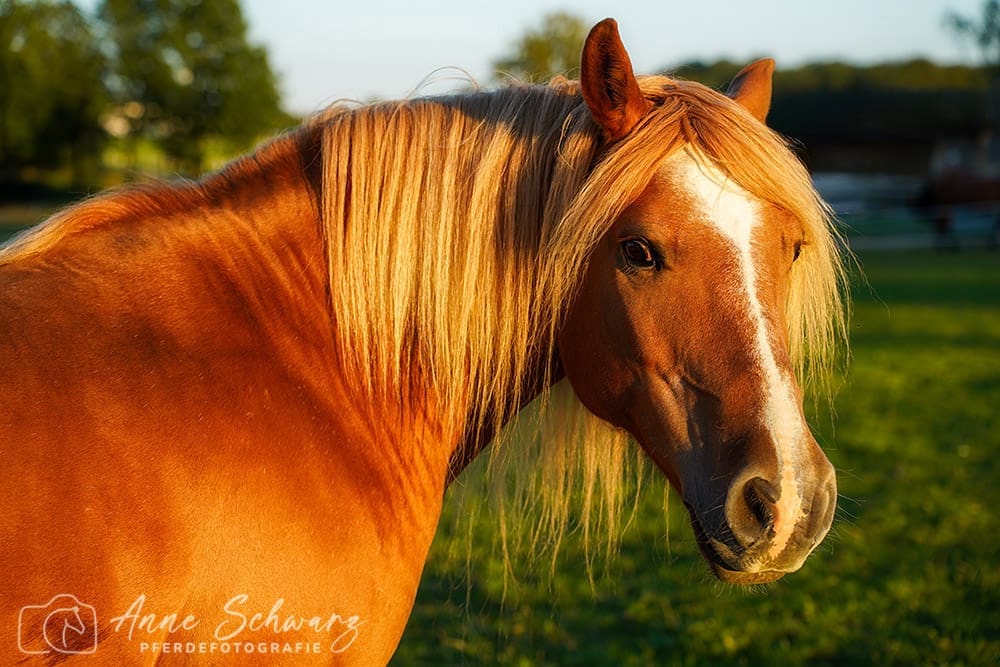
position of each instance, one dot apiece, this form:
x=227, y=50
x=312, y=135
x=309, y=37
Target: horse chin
x=720, y=569
x=730, y=576
x=744, y=578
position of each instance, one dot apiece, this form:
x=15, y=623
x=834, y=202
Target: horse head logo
x=63, y=625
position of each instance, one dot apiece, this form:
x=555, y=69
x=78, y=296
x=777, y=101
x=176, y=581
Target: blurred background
x=895, y=108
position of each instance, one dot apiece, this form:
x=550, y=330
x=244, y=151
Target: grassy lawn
x=910, y=574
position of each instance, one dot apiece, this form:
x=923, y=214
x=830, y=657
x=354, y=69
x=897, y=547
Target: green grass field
x=909, y=575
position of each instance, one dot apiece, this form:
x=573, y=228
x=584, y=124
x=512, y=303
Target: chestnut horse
x=231, y=408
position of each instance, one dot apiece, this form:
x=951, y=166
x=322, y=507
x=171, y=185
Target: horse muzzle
x=765, y=528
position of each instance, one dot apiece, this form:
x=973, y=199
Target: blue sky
x=324, y=50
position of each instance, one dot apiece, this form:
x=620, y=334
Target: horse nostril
x=761, y=496
x=765, y=489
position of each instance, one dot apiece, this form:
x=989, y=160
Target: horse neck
x=263, y=238
x=273, y=205
x=267, y=217
x=412, y=438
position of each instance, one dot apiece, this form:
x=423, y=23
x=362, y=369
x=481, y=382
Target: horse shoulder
x=164, y=416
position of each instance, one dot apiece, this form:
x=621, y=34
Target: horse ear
x=751, y=88
x=609, y=86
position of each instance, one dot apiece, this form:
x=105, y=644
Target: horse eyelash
x=626, y=268
x=629, y=270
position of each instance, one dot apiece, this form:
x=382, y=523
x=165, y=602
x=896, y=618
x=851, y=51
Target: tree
x=985, y=32
x=52, y=92
x=542, y=53
x=714, y=75
x=186, y=73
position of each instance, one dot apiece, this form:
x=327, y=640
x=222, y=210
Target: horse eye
x=798, y=250
x=638, y=254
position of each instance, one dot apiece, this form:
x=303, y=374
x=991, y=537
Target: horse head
x=679, y=332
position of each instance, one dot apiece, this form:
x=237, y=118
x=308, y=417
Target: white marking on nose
x=733, y=212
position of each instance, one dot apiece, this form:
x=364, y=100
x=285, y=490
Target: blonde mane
x=459, y=229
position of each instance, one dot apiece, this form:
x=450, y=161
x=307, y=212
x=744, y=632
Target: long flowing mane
x=437, y=214
x=459, y=229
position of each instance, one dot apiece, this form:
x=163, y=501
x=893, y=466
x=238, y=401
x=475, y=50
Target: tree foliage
x=918, y=74
x=187, y=72
x=177, y=73
x=51, y=86
x=984, y=31
x=543, y=52
x=909, y=101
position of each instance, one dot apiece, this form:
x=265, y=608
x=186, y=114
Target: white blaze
x=731, y=210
